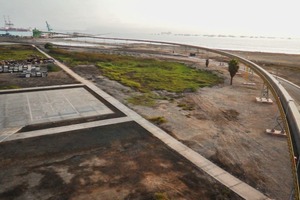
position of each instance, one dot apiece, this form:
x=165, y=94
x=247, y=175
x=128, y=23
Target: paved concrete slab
x=20, y=109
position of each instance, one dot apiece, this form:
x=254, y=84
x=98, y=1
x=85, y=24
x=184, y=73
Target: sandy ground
x=225, y=125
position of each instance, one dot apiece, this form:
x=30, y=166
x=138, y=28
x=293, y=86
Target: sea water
x=257, y=44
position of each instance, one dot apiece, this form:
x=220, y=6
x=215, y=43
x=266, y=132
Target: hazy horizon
x=233, y=17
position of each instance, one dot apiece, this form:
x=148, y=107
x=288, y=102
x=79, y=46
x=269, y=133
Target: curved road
x=292, y=89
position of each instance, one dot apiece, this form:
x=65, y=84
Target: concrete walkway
x=8, y=132
x=239, y=187
x=6, y=91
x=62, y=129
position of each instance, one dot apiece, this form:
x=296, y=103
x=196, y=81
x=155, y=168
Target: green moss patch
x=18, y=52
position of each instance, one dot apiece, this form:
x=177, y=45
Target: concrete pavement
x=68, y=128
x=23, y=108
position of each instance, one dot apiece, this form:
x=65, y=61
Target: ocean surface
x=257, y=44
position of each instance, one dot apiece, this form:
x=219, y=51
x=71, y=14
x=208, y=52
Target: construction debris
x=264, y=100
x=275, y=132
x=32, y=67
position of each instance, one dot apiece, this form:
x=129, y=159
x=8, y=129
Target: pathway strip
x=7, y=132
x=62, y=129
x=41, y=88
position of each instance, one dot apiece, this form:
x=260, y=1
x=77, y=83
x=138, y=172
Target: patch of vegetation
x=9, y=87
x=18, y=52
x=80, y=58
x=53, y=68
x=142, y=74
x=151, y=74
x=160, y=196
x=145, y=99
x=186, y=106
x=157, y=120
x=48, y=45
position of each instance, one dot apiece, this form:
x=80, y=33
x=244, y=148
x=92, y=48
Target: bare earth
x=225, y=125
x=116, y=162
x=53, y=78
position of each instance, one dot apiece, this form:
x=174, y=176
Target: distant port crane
x=9, y=26
x=48, y=27
x=8, y=23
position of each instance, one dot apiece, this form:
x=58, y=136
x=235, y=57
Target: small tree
x=233, y=68
x=48, y=45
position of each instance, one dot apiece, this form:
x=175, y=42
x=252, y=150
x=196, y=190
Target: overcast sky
x=236, y=17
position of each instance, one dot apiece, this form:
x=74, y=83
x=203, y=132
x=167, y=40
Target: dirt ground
x=223, y=123
x=121, y=161
x=53, y=78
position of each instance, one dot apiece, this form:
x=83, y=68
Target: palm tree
x=233, y=68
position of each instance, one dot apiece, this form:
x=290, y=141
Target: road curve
x=292, y=89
